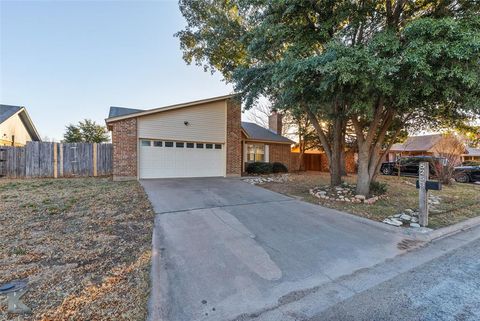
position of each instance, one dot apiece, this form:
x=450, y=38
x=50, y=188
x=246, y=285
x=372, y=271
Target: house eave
x=170, y=107
x=267, y=141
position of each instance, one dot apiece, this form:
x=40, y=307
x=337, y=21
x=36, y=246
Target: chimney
x=275, y=122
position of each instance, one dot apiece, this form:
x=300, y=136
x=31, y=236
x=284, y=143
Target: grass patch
x=19, y=251
x=459, y=201
x=84, y=244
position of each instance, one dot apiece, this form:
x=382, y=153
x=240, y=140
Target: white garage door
x=161, y=159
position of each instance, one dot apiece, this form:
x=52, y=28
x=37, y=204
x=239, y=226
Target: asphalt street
x=444, y=289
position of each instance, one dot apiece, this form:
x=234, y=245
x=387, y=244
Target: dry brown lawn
x=84, y=244
x=459, y=201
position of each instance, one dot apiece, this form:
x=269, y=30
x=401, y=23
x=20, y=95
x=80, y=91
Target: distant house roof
x=256, y=132
x=7, y=111
x=472, y=151
x=129, y=112
x=417, y=143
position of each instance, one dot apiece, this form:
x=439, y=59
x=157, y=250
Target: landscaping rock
x=369, y=201
x=414, y=225
x=343, y=193
x=405, y=217
x=392, y=221
x=269, y=179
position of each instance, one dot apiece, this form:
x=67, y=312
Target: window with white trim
x=255, y=153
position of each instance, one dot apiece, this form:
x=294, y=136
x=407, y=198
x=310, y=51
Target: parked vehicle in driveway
x=409, y=165
x=466, y=174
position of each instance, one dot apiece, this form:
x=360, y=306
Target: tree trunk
x=301, y=147
x=343, y=165
x=332, y=149
x=363, y=175
x=335, y=169
x=336, y=159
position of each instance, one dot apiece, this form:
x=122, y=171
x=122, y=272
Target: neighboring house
x=195, y=139
x=427, y=145
x=472, y=154
x=16, y=127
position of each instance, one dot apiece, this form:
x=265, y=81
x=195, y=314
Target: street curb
x=448, y=230
x=420, y=234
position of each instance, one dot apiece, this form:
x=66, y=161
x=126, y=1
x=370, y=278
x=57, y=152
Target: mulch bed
x=84, y=244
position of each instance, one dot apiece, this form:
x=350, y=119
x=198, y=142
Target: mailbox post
x=424, y=185
x=423, y=171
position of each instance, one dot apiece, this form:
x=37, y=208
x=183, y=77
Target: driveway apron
x=226, y=250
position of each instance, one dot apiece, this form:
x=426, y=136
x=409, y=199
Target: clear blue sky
x=66, y=61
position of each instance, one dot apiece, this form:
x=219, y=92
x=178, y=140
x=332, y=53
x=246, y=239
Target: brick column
x=124, y=140
x=234, y=138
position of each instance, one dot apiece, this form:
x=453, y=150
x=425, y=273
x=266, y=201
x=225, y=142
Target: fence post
x=61, y=160
x=55, y=175
x=94, y=159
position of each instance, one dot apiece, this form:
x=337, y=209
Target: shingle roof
x=417, y=143
x=121, y=111
x=473, y=151
x=7, y=111
x=257, y=132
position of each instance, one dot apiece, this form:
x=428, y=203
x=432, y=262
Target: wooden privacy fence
x=40, y=159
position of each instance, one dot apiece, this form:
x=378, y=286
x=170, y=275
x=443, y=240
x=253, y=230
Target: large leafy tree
x=87, y=131
x=378, y=66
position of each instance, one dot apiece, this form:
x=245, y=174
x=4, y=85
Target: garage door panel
x=168, y=162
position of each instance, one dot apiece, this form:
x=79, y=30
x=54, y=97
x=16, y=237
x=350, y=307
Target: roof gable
x=256, y=132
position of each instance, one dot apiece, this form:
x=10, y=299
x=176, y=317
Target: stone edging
x=423, y=233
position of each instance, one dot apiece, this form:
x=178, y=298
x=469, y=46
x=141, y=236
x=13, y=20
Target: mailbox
x=431, y=185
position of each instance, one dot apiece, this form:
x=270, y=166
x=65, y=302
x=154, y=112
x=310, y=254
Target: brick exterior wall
x=124, y=140
x=281, y=153
x=234, y=138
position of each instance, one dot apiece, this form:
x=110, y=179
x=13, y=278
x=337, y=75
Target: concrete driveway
x=227, y=250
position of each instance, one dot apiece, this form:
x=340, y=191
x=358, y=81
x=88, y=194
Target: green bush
x=259, y=168
x=279, y=168
x=378, y=188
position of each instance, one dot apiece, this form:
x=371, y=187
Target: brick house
x=471, y=154
x=427, y=145
x=204, y=138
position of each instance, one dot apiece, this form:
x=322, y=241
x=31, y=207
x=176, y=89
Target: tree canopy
x=87, y=131
x=379, y=66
